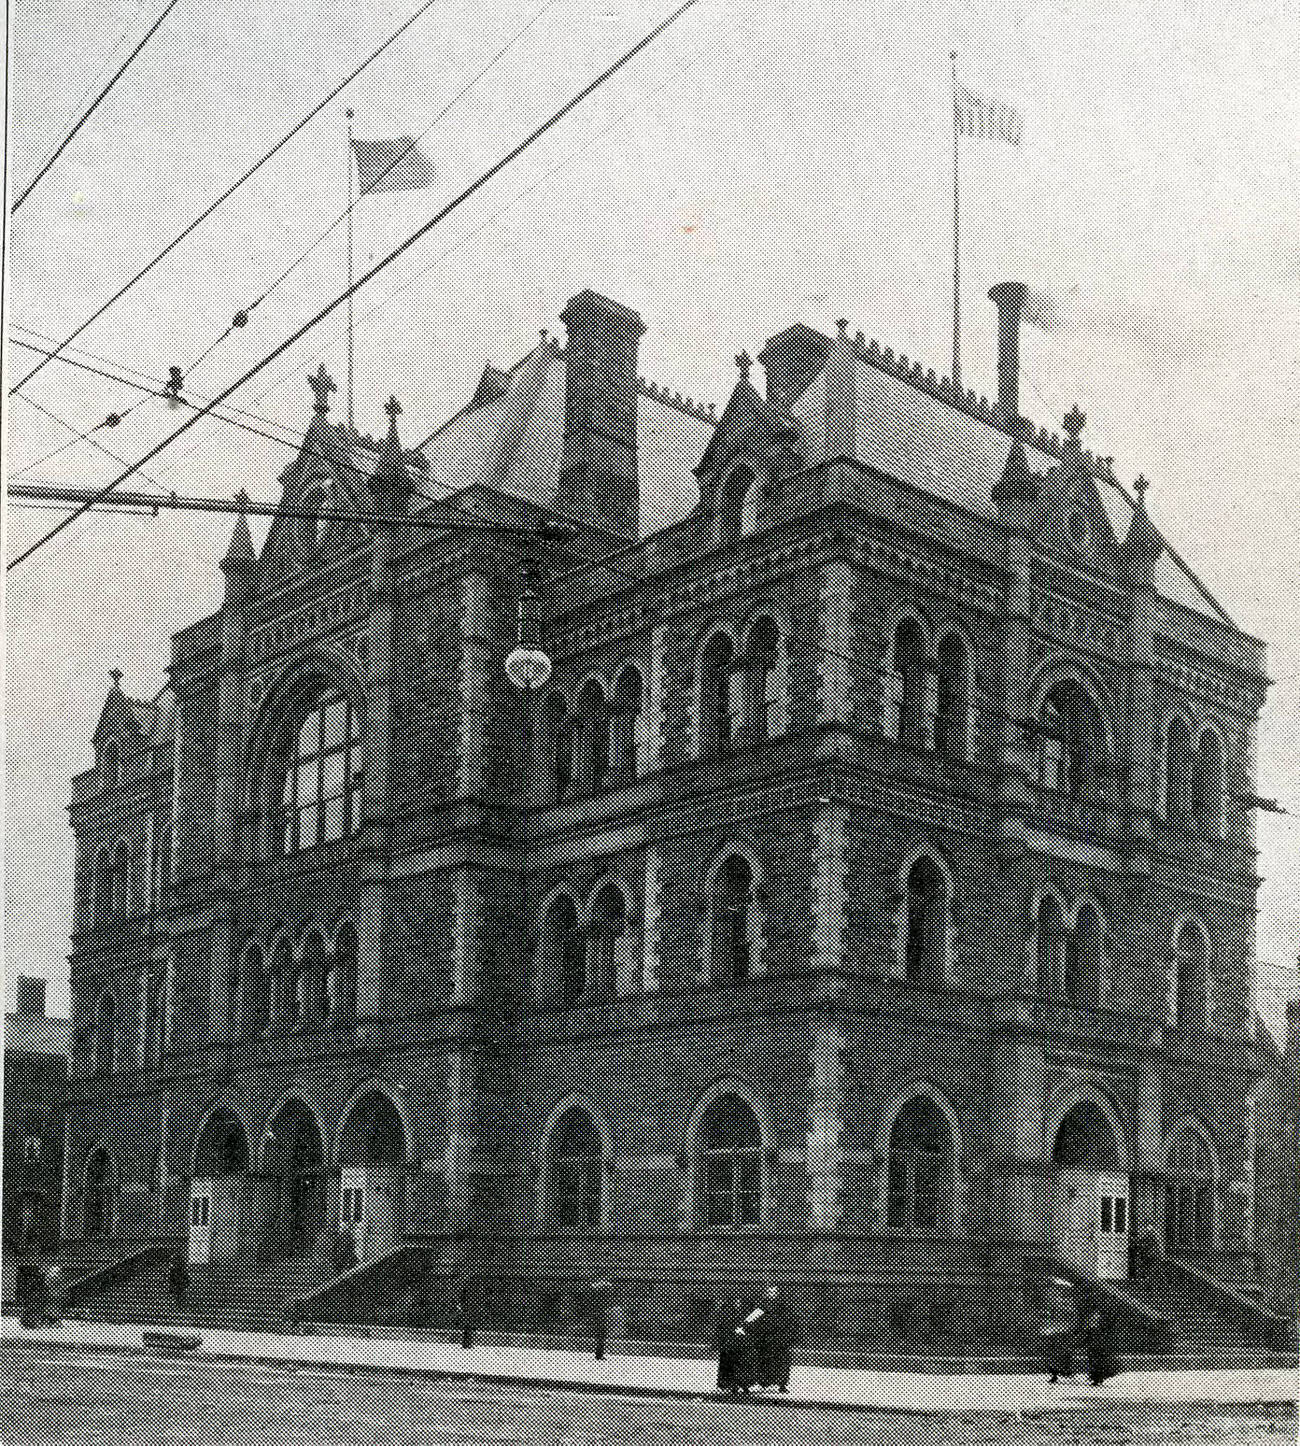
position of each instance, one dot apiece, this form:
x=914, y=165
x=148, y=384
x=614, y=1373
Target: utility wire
x=93, y=106
x=374, y=271
x=86, y=437
x=230, y=191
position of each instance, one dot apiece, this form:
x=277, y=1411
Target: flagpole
x=351, y=346
x=956, y=236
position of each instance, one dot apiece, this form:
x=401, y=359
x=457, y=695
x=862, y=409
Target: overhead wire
x=93, y=107
x=266, y=156
x=418, y=234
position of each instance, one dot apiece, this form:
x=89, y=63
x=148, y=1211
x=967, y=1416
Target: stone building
x=35, y=1077
x=867, y=900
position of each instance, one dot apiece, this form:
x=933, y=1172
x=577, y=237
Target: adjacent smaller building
x=36, y=1052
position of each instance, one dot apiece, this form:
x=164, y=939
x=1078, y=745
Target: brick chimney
x=31, y=996
x=598, y=469
x=1009, y=298
x=791, y=359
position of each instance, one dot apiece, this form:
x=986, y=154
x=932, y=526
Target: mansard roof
x=510, y=437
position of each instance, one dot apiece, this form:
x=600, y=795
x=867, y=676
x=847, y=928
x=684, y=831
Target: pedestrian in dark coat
x=1099, y=1346
x=467, y=1309
x=29, y=1285
x=178, y=1279
x=735, y=1350
x=1058, y=1328
x=774, y=1330
x=599, y=1301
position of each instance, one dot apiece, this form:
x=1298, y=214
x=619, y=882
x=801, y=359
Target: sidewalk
x=827, y=1386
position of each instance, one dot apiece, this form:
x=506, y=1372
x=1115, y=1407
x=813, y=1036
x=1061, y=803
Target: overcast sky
x=763, y=163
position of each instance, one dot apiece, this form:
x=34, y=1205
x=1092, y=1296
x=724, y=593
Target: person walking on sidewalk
x=178, y=1279
x=29, y=1288
x=1099, y=1345
x=734, y=1349
x=598, y=1303
x=1057, y=1329
x=467, y=1310
x=774, y=1330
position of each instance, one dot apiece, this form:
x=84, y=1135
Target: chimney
x=1009, y=298
x=598, y=468
x=791, y=359
x=31, y=996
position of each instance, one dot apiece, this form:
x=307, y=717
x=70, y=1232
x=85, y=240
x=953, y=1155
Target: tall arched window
x=952, y=703
x=626, y=718
x=1083, y=958
x=928, y=908
x=320, y=796
x=764, y=701
x=99, y=1207
x=1191, y=977
x=1207, y=782
x=104, y=1046
x=1189, y=1193
x=730, y=1165
x=605, y=940
x=1178, y=769
x=921, y=1167
x=732, y=943
x=564, y=950
x=574, y=1168
x=907, y=686
x=594, y=758
x=1073, y=740
x=346, y=946
x=103, y=906
x=312, y=524
x=1051, y=944
x=559, y=745
x=718, y=711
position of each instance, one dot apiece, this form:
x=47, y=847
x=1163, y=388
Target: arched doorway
x=221, y=1222
x=99, y=1206
x=293, y=1158
x=372, y=1176
x=1091, y=1206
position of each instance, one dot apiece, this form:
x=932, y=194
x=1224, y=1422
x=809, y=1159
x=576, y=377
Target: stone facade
x=849, y=909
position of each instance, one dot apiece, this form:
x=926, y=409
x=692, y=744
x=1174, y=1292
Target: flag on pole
x=391, y=165
x=984, y=118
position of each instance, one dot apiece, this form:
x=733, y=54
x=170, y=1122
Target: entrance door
x=294, y=1159
x=1090, y=1208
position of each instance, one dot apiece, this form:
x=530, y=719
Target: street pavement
x=823, y=1386
x=54, y=1395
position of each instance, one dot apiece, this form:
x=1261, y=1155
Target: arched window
x=1189, y=1193
x=921, y=1167
x=373, y=1133
x=122, y=878
x=162, y=863
x=564, y=950
x=928, y=906
x=594, y=758
x=320, y=795
x=312, y=525
x=99, y=1208
x=734, y=923
x=222, y=1148
x=1207, y=782
x=907, y=686
x=573, y=1171
x=1081, y=982
x=730, y=1165
x=103, y=906
x=606, y=939
x=256, y=991
x=718, y=711
x=952, y=703
x=312, y=1001
x=1051, y=945
x=739, y=502
x=764, y=701
x=1073, y=740
x=167, y=1005
x=345, y=971
x=1191, y=977
x=625, y=722
x=559, y=742
x=1178, y=769
x=104, y=1046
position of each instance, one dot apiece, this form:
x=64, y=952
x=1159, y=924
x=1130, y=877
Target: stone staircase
x=239, y=1296
x=1203, y=1328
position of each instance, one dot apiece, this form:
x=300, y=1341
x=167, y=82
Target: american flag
x=984, y=118
x=391, y=165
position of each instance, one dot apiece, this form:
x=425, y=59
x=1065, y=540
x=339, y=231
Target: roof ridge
x=701, y=411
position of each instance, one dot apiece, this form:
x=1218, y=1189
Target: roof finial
x=116, y=675
x=322, y=384
x=394, y=409
x=842, y=326
x=1140, y=485
x=744, y=361
x=1074, y=423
